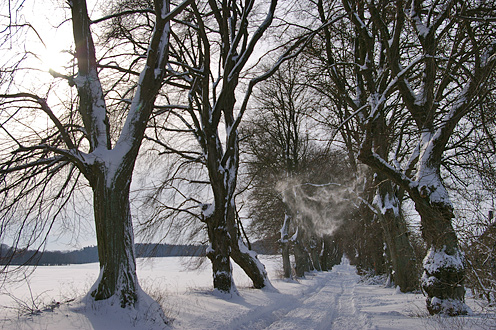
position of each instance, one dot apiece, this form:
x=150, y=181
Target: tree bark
x=401, y=253
x=444, y=271
x=286, y=262
x=315, y=249
x=302, y=259
x=332, y=252
x=285, y=244
x=248, y=261
x=444, y=268
x=219, y=252
x=244, y=257
x=109, y=170
x=370, y=236
x=115, y=237
x=325, y=255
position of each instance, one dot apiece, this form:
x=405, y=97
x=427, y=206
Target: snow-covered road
x=330, y=306
x=324, y=300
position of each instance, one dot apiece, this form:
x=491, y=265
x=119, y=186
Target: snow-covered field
x=326, y=300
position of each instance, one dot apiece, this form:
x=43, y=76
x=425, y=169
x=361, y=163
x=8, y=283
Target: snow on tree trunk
x=219, y=250
x=395, y=229
x=115, y=238
x=248, y=261
x=284, y=242
x=444, y=268
x=302, y=258
x=244, y=257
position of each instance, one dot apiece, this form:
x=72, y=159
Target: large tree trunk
x=285, y=246
x=401, y=252
x=223, y=182
x=369, y=235
x=444, y=269
x=114, y=231
x=219, y=250
x=302, y=258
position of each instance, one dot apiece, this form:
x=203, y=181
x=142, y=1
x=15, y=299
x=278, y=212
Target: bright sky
x=46, y=36
x=50, y=37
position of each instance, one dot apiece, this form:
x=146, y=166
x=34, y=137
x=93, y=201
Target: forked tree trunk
x=115, y=239
x=444, y=268
x=401, y=253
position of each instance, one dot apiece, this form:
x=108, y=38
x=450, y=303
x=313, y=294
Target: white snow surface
x=323, y=300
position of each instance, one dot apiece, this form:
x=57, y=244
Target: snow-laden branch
x=150, y=78
x=92, y=104
x=392, y=85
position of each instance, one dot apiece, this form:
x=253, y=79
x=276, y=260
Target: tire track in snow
x=330, y=304
x=331, y=307
x=262, y=317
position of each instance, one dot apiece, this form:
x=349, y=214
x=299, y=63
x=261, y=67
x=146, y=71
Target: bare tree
x=439, y=78
x=81, y=141
x=212, y=54
x=290, y=170
x=340, y=56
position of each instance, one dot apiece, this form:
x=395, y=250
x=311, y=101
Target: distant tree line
x=89, y=254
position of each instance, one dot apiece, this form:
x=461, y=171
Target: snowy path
x=331, y=306
x=322, y=301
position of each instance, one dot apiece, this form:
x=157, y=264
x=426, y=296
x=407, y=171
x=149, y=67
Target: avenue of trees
x=319, y=126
